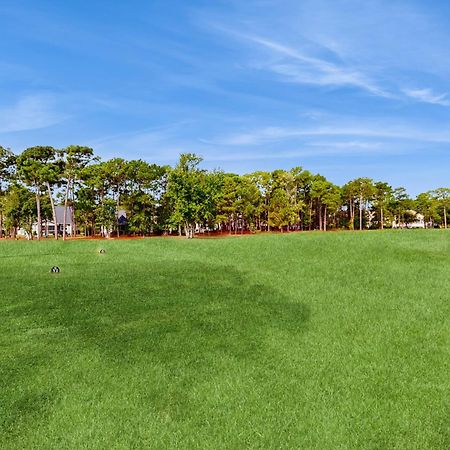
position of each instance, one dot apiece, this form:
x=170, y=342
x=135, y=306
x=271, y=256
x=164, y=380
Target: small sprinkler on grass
x=102, y=251
x=55, y=269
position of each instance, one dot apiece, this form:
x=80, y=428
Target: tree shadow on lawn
x=193, y=320
x=188, y=313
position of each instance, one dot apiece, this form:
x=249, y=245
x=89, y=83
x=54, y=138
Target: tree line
x=187, y=199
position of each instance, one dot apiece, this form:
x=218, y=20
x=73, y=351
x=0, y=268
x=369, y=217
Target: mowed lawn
x=305, y=340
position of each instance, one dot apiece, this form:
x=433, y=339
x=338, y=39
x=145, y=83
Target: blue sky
x=344, y=88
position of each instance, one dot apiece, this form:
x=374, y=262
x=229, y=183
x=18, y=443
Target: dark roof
x=60, y=214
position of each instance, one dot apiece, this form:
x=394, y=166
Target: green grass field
x=314, y=340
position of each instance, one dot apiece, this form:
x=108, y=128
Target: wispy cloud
x=30, y=112
x=156, y=143
x=254, y=137
x=348, y=145
x=327, y=61
x=297, y=65
x=428, y=96
x=310, y=149
x=301, y=67
x=272, y=135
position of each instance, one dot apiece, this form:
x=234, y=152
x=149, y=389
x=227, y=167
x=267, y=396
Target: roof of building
x=60, y=214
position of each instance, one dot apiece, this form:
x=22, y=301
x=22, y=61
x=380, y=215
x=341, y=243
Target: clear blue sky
x=344, y=88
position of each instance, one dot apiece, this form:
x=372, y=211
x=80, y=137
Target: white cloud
x=300, y=66
x=323, y=51
x=310, y=149
x=268, y=135
x=161, y=144
x=428, y=96
x=254, y=137
x=303, y=68
x=348, y=145
x=29, y=113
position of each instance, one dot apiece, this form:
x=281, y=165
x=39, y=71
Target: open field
x=314, y=340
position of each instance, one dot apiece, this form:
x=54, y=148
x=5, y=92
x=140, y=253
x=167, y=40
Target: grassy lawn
x=314, y=340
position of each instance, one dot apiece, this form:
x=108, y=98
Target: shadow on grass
x=190, y=319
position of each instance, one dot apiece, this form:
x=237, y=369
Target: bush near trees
x=187, y=199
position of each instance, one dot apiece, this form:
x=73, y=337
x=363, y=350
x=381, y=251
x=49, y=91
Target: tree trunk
x=445, y=217
x=352, y=214
x=319, y=207
x=66, y=201
x=73, y=224
x=117, y=213
x=38, y=210
x=382, y=218
x=310, y=215
x=360, y=213
x=325, y=219
x=52, y=203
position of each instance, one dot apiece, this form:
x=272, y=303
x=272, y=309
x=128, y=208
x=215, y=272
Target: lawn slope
x=313, y=340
